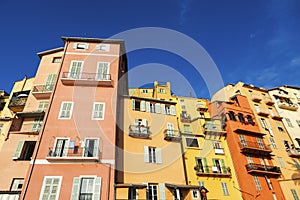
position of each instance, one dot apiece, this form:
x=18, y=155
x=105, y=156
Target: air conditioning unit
x=215, y=169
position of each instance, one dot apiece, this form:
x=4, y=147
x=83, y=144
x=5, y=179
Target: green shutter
x=18, y=151
x=205, y=165
x=97, y=189
x=75, y=188
x=223, y=166
x=214, y=162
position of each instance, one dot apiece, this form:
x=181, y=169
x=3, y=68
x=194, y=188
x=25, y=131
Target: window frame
x=61, y=107
x=225, y=189
x=70, y=69
x=103, y=111
x=44, y=185
x=193, y=138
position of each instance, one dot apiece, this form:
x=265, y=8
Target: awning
x=128, y=185
x=179, y=186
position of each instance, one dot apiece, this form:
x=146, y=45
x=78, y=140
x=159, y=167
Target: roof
x=40, y=54
x=102, y=40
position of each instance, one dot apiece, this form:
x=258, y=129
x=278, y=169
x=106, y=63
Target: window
x=297, y=165
x=279, y=126
x=201, y=163
x=17, y=184
x=257, y=108
x=269, y=183
x=231, y=116
x=225, y=189
x=160, y=90
x=192, y=142
x=86, y=188
x=132, y=193
x=286, y=145
x=202, y=115
x=201, y=183
x=289, y=123
x=56, y=60
x=50, y=83
x=50, y=188
x=170, y=129
x=1, y=127
x=295, y=195
x=103, y=71
x=260, y=143
x=273, y=143
x=241, y=117
x=186, y=128
x=298, y=122
x=263, y=123
x=282, y=165
x=75, y=69
x=257, y=183
x=217, y=167
x=217, y=145
x=66, y=110
x=182, y=103
x=274, y=196
x=98, y=111
x=43, y=105
x=103, y=47
x=196, y=194
x=152, y=192
x=140, y=126
x=24, y=150
x=152, y=155
x=145, y=91
x=91, y=147
x=60, y=147
x=136, y=105
x=250, y=120
x=80, y=46
x=243, y=141
x=37, y=124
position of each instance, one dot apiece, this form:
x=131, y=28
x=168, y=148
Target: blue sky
x=257, y=42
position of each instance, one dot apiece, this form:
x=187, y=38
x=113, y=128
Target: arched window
x=231, y=116
x=241, y=117
x=250, y=120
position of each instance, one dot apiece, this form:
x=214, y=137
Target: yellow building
x=270, y=124
x=4, y=98
x=206, y=154
x=150, y=163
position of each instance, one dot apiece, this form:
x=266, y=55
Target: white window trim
x=103, y=111
x=75, y=46
x=44, y=184
x=82, y=62
x=71, y=110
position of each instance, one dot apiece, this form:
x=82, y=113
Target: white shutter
x=97, y=189
x=163, y=109
x=75, y=189
x=133, y=104
x=157, y=107
x=18, y=151
x=143, y=106
x=162, y=192
x=147, y=106
x=146, y=154
x=158, y=156
x=86, y=46
x=144, y=123
x=173, y=112
x=262, y=123
x=270, y=127
x=75, y=46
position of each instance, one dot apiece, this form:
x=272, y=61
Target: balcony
x=10, y=195
x=75, y=153
x=256, y=97
x=294, y=152
x=288, y=106
x=245, y=128
x=213, y=171
x=276, y=116
x=213, y=128
x=42, y=91
x=89, y=79
x=269, y=101
x=254, y=148
x=263, y=170
x=262, y=112
x=139, y=131
x=185, y=118
x=30, y=128
x=202, y=108
x=17, y=104
x=172, y=135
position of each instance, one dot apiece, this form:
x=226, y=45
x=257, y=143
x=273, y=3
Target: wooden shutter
x=75, y=189
x=18, y=151
x=143, y=106
x=97, y=189
x=158, y=156
x=223, y=166
x=146, y=154
x=162, y=192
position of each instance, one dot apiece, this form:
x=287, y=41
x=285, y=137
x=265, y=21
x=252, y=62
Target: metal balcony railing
x=42, y=88
x=293, y=152
x=15, y=102
x=139, y=131
x=172, y=135
x=87, y=76
x=288, y=106
x=256, y=97
x=74, y=152
x=264, y=169
x=254, y=147
x=212, y=171
x=185, y=117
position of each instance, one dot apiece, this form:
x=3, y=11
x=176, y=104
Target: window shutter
x=133, y=104
x=159, y=155
x=147, y=106
x=97, y=189
x=173, y=112
x=18, y=151
x=65, y=152
x=269, y=127
x=50, y=82
x=162, y=192
x=262, y=123
x=143, y=106
x=163, y=109
x=86, y=46
x=75, y=46
x=75, y=189
x=96, y=145
x=146, y=154
x=205, y=165
x=214, y=162
x=223, y=166
x=157, y=107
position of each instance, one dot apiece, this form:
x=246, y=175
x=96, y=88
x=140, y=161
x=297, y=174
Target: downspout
x=43, y=126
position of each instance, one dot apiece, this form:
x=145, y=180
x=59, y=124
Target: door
x=61, y=148
x=103, y=71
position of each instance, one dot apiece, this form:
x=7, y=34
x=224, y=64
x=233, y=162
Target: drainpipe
x=42, y=128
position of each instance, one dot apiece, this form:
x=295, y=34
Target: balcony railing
x=202, y=108
x=185, y=118
x=93, y=79
x=294, y=152
x=262, y=111
x=254, y=148
x=269, y=101
x=256, y=97
x=17, y=104
x=288, y=106
x=74, y=153
x=276, y=116
x=213, y=128
x=263, y=169
x=245, y=128
x=172, y=135
x=139, y=131
x=213, y=171
x=42, y=91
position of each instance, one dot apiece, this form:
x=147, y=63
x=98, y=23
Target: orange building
x=75, y=154
x=256, y=174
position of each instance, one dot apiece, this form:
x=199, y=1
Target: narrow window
x=282, y=165
x=231, y=116
x=66, y=110
x=98, y=111
x=103, y=71
x=295, y=195
x=225, y=189
x=257, y=183
x=50, y=188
